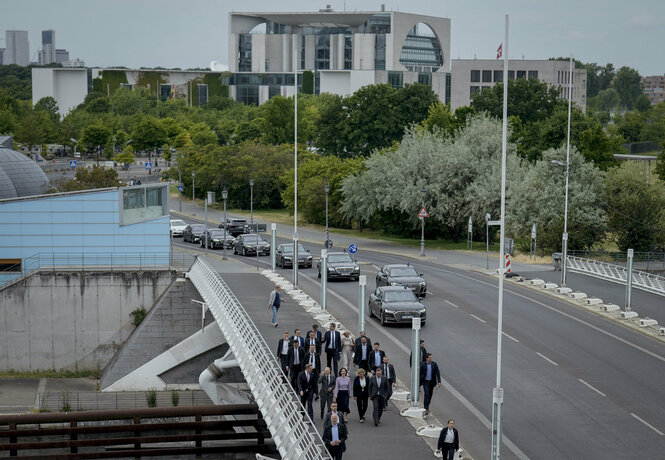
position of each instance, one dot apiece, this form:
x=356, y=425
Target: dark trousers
x=448, y=451
x=379, y=402
x=326, y=401
x=428, y=389
x=284, y=362
x=335, y=452
x=362, y=405
x=332, y=356
x=306, y=400
x=364, y=365
x=294, y=371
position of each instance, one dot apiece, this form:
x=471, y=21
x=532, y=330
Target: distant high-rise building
x=18, y=47
x=47, y=53
x=654, y=88
x=2, y=54
x=61, y=56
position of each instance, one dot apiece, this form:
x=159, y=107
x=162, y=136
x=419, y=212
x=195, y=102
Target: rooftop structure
x=19, y=175
x=654, y=88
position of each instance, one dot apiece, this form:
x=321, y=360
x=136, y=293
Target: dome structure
x=19, y=175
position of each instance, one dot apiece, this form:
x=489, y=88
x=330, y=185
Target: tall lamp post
x=327, y=190
x=564, y=243
x=295, y=163
x=251, y=203
x=225, y=195
x=193, y=174
x=422, y=226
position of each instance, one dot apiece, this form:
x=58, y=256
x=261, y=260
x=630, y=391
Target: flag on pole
x=172, y=90
x=499, y=51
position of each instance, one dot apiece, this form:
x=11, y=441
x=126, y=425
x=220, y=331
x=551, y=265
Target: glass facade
x=396, y=79
x=247, y=95
x=380, y=52
x=164, y=92
x=322, y=53
x=139, y=204
x=348, y=52
x=244, y=53
x=421, y=51
x=377, y=24
x=425, y=79
x=202, y=94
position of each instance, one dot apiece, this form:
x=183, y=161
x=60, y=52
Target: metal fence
x=109, y=261
x=651, y=261
x=617, y=273
x=67, y=401
x=293, y=432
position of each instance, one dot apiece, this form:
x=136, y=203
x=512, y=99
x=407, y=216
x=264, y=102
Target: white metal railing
x=616, y=273
x=293, y=433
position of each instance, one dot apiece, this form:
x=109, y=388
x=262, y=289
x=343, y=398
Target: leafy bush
x=137, y=316
x=151, y=397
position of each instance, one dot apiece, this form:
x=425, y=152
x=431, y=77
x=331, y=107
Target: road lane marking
x=450, y=303
x=376, y=267
x=510, y=337
x=548, y=360
x=479, y=319
x=594, y=389
x=649, y=425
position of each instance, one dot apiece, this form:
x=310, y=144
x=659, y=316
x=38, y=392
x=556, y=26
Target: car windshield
x=198, y=228
x=253, y=239
x=217, y=233
x=400, y=296
x=337, y=258
x=403, y=271
x=288, y=249
x=178, y=223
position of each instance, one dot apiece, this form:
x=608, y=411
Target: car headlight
x=395, y=284
x=331, y=269
x=215, y=241
x=423, y=283
x=288, y=258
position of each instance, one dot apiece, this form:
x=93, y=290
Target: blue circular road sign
x=353, y=249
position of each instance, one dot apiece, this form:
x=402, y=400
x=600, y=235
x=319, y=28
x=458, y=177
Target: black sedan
x=216, y=239
x=340, y=266
x=396, y=304
x=402, y=275
x=250, y=243
x=284, y=256
x=192, y=233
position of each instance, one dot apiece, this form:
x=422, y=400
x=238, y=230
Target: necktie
x=328, y=380
x=311, y=359
x=295, y=352
x=308, y=377
x=332, y=340
x=387, y=372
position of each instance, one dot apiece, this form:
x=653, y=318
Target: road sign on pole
x=328, y=244
x=423, y=212
x=72, y=163
x=353, y=249
x=181, y=188
x=148, y=165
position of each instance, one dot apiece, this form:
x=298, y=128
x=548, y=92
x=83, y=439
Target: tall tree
x=628, y=84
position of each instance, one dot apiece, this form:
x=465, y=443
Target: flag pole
x=497, y=393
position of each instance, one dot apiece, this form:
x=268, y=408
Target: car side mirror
x=421, y=275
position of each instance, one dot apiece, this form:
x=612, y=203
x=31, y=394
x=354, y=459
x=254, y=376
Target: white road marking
x=649, y=425
x=450, y=303
x=376, y=267
x=546, y=359
x=594, y=389
x=479, y=319
x=510, y=337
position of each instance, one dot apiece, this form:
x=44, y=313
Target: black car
x=192, y=233
x=235, y=226
x=216, y=239
x=402, y=275
x=250, y=243
x=284, y=256
x=396, y=304
x=340, y=266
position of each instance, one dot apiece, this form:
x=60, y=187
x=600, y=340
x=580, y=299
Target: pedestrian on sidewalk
x=343, y=391
x=361, y=393
x=283, y=352
x=334, y=437
x=388, y=372
x=333, y=341
x=347, y=351
x=429, y=378
x=423, y=353
x=307, y=388
x=327, y=383
x=361, y=354
x=378, y=389
x=273, y=304
x=448, y=442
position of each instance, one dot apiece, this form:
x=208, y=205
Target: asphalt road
x=576, y=385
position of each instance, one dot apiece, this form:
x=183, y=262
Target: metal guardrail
x=616, y=273
x=651, y=261
x=292, y=431
x=110, y=261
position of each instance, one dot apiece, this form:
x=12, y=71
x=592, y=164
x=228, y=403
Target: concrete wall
x=67, y=86
x=72, y=320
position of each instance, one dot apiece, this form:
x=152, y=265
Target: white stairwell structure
x=617, y=273
x=294, y=434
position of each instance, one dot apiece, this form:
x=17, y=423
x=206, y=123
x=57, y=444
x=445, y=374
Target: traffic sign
x=181, y=188
x=493, y=222
x=423, y=212
x=148, y=165
x=72, y=163
x=353, y=249
x=328, y=244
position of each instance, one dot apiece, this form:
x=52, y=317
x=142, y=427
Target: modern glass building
x=345, y=50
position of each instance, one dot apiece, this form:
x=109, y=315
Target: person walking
x=299, y=338
x=334, y=437
x=346, y=355
x=295, y=359
x=307, y=388
x=361, y=393
x=423, y=353
x=375, y=357
x=312, y=357
x=429, y=378
x=273, y=304
x=360, y=338
x=378, y=389
x=361, y=354
x=327, y=383
x=312, y=340
x=333, y=411
x=389, y=373
x=448, y=442
x=333, y=341
x=283, y=352
x=343, y=391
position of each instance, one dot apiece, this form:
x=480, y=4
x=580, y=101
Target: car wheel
x=235, y=250
x=383, y=319
x=309, y=265
x=244, y=251
x=319, y=274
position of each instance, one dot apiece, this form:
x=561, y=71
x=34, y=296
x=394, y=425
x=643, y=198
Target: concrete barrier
x=549, y=286
x=628, y=314
x=610, y=307
x=536, y=282
x=577, y=295
x=563, y=290
x=429, y=431
x=646, y=322
x=593, y=301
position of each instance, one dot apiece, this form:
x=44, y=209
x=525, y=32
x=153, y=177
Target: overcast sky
x=176, y=33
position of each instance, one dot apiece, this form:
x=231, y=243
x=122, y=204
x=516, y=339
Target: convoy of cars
x=250, y=243
x=340, y=266
x=192, y=233
x=217, y=238
x=402, y=275
x=177, y=227
x=284, y=256
x=235, y=226
x=396, y=304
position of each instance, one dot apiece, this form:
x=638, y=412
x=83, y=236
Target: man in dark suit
x=297, y=337
x=334, y=437
x=312, y=357
x=375, y=357
x=378, y=390
x=361, y=354
x=388, y=372
x=295, y=359
x=333, y=411
x=283, y=347
x=448, y=442
x=307, y=388
x=327, y=383
x=318, y=334
x=312, y=340
x=429, y=378
x=333, y=341
x=360, y=337
x=423, y=354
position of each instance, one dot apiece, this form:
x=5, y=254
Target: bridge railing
x=617, y=273
x=292, y=431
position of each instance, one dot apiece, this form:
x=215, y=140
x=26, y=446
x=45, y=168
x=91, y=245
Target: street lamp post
x=327, y=190
x=565, y=213
x=193, y=174
x=251, y=203
x=422, y=225
x=295, y=163
x=225, y=195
